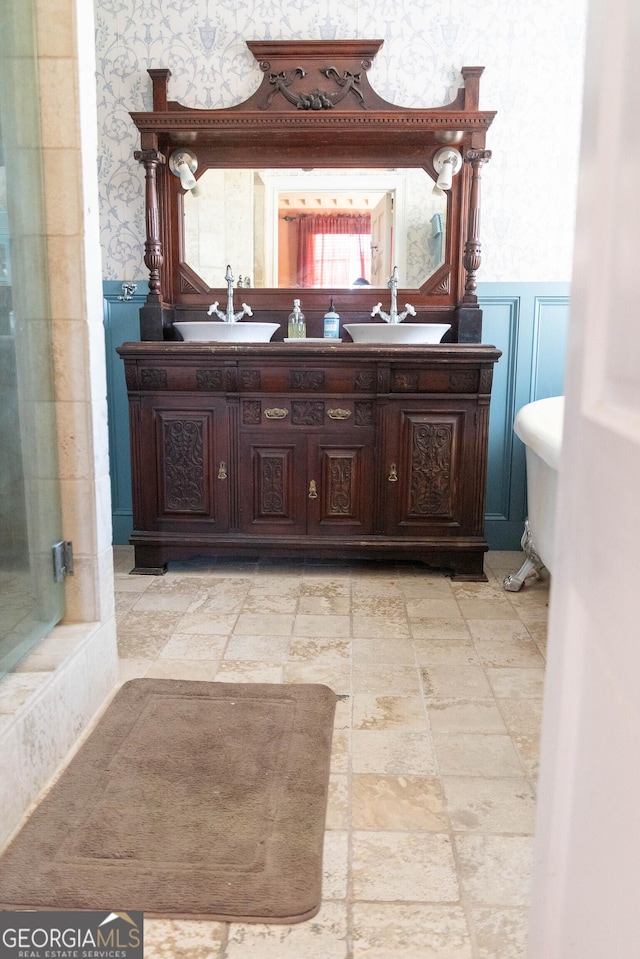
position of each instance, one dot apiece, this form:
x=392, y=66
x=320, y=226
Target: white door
x=586, y=878
x=382, y=241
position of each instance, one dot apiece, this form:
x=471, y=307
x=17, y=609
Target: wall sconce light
x=183, y=163
x=447, y=162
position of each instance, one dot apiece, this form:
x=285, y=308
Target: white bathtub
x=539, y=426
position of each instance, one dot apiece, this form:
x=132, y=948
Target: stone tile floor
x=432, y=799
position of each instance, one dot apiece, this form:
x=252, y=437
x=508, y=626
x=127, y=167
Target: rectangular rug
x=188, y=800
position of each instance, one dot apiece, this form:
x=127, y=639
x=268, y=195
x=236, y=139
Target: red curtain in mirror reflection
x=334, y=249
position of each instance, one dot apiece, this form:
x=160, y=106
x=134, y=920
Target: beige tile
x=263, y=648
x=335, y=864
x=510, y=683
x=438, y=628
x=340, y=750
x=233, y=671
x=193, y=669
x=321, y=625
x=498, y=629
x=334, y=675
x=175, y=583
x=202, y=622
x=161, y=602
x=500, y=933
x=418, y=867
x=467, y=754
x=265, y=603
x=192, y=646
x=409, y=931
x=490, y=805
x=323, y=937
x=445, y=652
x=522, y=715
x=188, y=939
x=394, y=680
x=454, y=682
x=494, y=609
x=397, y=802
x=267, y=624
x=320, y=649
x=516, y=652
x=371, y=711
x=428, y=608
x=338, y=802
x=375, y=650
x=379, y=627
x=495, y=870
x=528, y=747
x=410, y=762
x=391, y=752
x=481, y=716
x=380, y=607
x=329, y=587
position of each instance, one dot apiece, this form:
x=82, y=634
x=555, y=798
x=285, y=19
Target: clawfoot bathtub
x=539, y=426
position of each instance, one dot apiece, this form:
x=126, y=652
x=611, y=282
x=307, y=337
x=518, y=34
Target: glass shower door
x=31, y=600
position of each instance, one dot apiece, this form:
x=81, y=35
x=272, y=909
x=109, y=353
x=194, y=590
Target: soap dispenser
x=297, y=328
x=331, y=324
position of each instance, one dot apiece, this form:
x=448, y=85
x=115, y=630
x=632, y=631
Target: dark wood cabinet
x=309, y=451
x=312, y=449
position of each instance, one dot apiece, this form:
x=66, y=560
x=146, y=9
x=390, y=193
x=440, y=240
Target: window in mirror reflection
x=324, y=249
x=253, y=220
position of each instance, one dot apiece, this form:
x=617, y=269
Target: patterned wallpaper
x=532, y=51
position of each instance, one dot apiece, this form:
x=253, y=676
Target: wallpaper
x=532, y=51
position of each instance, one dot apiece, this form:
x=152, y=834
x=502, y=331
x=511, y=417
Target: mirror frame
x=314, y=108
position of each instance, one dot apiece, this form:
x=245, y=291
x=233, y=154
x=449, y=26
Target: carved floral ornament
x=317, y=99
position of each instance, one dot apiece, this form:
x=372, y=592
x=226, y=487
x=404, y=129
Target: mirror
x=324, y=228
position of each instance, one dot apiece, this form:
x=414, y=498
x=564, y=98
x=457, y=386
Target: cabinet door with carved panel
x=182, y=476
x=340, y=483
x=272, y=475
x=432, y=486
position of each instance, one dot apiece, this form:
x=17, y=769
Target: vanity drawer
x=306, y=377
x=304, y=413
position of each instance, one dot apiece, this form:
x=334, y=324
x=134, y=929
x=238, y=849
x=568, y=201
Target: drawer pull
x=222, y=470
x=339, y=414
x=393, y=473
x=275, y=413
x=313, y=492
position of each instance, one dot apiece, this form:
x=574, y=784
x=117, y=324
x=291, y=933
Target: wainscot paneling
x=121, y=325
x=527, y=321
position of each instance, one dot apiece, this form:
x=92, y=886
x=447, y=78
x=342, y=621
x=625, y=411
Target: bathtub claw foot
x=532, y=563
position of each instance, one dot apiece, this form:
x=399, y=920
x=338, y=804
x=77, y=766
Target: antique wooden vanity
x=317, y=448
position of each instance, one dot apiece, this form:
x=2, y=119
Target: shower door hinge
x=62, y=560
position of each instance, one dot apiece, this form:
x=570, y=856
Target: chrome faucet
x=229, y=316
x=393, y=316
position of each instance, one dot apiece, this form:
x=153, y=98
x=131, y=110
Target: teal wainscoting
x=121, y=325
x=527, y=321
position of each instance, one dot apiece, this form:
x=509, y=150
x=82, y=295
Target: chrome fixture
x=183, y=163
x=128, y=289
x=393, y=316
x=229, y=316
x=447, y=162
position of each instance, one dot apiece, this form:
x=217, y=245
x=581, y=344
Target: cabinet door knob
x=339, y=414
x=313, y=493
x=393, y=473
x=222, y=470
x=276, y=413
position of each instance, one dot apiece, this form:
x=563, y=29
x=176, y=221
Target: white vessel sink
x=218, y=332
x=397, y=332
